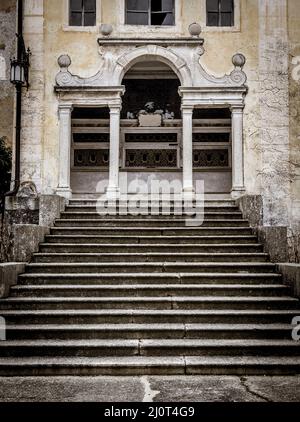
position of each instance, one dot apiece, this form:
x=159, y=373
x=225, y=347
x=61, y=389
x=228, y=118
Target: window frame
x=73, y=28
x=237, y=19
x=220, y=13
x=149, y=24
x=83, y=13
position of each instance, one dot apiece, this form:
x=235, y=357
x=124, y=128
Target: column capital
x=187, y=109
x=237, y=108
x=65, y=107
x=115, y=108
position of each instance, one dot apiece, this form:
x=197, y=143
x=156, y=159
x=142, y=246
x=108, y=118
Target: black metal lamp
x=19, y=68
x=19, y=76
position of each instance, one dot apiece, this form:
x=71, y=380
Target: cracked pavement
x=151, y=389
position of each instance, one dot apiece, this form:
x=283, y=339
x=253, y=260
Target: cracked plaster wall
x=273, y=118
x=294, y=129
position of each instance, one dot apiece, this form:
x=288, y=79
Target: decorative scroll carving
x=66, y=78
x=236, y=78
x=91, y=157
x=116, y=61
x=211, y=137
x=210, y=158
x=151, y=158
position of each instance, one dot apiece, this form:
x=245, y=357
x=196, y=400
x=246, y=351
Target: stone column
x=114, y=152
x=187, y=150
x=238, y=187
x=65, y=130
x=33, y=155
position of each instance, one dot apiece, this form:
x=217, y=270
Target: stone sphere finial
x=195, y=29
x=64, y=61
x=239, y=60
x=106, y=29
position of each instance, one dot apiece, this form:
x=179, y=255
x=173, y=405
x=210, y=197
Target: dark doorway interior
x=163, y=92
x=90, y=113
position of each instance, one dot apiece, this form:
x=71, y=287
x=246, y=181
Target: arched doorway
x=209, y=131
x=158, y=149
x=154, y=149
x=151, y=122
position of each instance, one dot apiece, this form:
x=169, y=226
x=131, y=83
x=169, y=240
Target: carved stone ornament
x=237, y=75
x=236, y=78
x=27, y=190
x=195, y=29
x=187, y=67
x=106, y=29
x=66, y=78
x=239, y=60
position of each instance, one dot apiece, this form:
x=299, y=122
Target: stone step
x=145, y=290
x=113, y=316
x=84, y=202
x=142, y=223
x=148, y=248
x=149, y=295
x=148, y=257
x=166, y=216
x=120, y=279
x=151, y=241
x=145, y=208
x=151, y=267
x=123, y=234
x=149, y=303
x=151, y=365
x=148, y=347
x=149, y=331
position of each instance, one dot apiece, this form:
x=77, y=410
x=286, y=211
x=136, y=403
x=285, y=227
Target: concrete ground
x=151, y=389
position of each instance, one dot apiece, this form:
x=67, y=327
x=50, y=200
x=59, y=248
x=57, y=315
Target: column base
x=64, y=192
x=112, y=192
x=188, y=193
x=236, y=193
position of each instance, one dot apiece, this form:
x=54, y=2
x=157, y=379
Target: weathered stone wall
x=7, y=230
x=274, y=129
x=7, y=51
x=294, y=129
x=274, y=169
x=27, y=219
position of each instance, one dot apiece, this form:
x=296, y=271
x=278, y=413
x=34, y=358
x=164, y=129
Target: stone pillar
x=33, y=155
x=238, y=187
x=275, y=124
x=65, y=130
x=114, y=152
x=187, y=149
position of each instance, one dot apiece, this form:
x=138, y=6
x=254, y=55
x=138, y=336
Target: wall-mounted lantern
x=19, y=68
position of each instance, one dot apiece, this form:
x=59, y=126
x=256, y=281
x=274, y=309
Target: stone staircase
x=125, y=295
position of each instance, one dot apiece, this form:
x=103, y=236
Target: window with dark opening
x=220, y=12
x=82, y=12
x=150, y=12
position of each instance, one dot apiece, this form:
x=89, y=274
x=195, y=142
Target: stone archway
x=154, y=53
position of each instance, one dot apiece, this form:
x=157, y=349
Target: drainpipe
x=15, y=189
